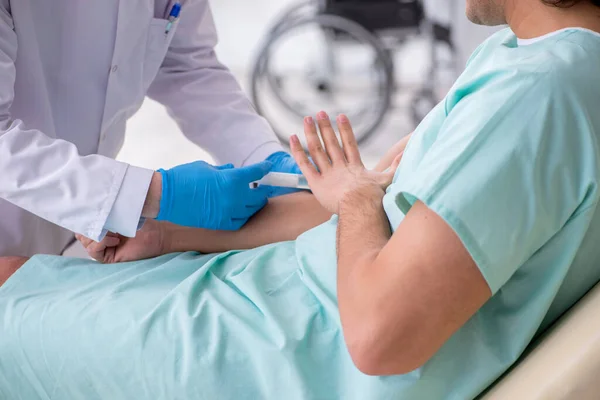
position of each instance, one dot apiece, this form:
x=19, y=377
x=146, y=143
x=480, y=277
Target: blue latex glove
x=283, y=162
x=200, y=195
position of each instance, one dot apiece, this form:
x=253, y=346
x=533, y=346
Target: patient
x=426, y=284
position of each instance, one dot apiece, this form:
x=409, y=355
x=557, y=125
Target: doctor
x=71, y=74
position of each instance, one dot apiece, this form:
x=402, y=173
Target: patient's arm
x=400, y=295
x=284, y=218
x=392, y=153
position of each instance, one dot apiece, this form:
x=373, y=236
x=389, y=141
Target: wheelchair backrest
x=376, y=15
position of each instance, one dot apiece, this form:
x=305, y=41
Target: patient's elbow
x=366, y=362
x=385, y=353
x=369, y=363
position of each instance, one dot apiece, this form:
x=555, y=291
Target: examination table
x=564, y=364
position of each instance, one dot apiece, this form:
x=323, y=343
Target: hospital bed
x=563, y=364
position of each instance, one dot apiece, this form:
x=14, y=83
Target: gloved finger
x=247, y=212
x=224, y=167
x=254, y=172
x=257, y=197
x=237, y=223
x=283, y=162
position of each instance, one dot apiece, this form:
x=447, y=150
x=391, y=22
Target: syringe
x=296, y=181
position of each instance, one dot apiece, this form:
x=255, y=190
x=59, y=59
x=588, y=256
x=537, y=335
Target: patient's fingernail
x=294, y=139
x=322, y=115
x=309, y=121
x=343, y=119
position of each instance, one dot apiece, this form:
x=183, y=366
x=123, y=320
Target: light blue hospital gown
x=509, y=160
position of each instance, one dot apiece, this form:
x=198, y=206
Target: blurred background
x=385, y=63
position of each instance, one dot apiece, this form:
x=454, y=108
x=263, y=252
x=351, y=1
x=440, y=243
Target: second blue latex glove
x=283, y=162
x=200, y=195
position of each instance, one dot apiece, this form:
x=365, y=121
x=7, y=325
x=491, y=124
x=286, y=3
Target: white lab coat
x=71, y=73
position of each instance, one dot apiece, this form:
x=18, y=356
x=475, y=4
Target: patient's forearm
x=391, y=154
x=284, y=218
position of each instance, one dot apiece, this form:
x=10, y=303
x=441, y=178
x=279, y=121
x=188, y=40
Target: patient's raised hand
x=148, y=243
x=339, y=169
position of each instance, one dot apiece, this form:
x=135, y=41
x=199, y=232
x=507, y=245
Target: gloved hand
x=283, y=162
x=200, y=195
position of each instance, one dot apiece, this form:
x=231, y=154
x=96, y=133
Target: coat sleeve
x=204, y=97
x=47, y=176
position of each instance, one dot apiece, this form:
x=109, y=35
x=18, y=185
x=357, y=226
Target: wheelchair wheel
x=322, y=62
x=422, y=104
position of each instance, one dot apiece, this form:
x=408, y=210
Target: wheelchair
x=339, y=56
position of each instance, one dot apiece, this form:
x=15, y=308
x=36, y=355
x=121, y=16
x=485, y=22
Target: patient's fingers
x=109, y=255
x=388, y=175
x=395, y=163
x=87, y=241
x=332, y=145
x=307, y=168
x=84, y=241
x=108, y=241
x=98, y=250
x=348, y=140
x=314, y=145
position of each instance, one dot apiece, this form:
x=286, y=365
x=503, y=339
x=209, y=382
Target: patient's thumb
x=388, y=175
x=396, y=163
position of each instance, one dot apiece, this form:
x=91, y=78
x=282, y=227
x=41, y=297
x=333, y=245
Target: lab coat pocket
x=156, y=48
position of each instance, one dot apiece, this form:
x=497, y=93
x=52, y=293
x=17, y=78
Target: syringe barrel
x=279, y=179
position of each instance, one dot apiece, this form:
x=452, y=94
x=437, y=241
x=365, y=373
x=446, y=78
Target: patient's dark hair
x=568, y=3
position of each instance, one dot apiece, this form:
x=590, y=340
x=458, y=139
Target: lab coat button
x=114, y=68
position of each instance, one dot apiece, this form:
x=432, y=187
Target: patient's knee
x=10, y=265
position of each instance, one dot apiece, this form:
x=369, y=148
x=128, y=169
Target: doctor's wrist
x=152, y=203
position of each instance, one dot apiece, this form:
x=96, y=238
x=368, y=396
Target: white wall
x=241, y=24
